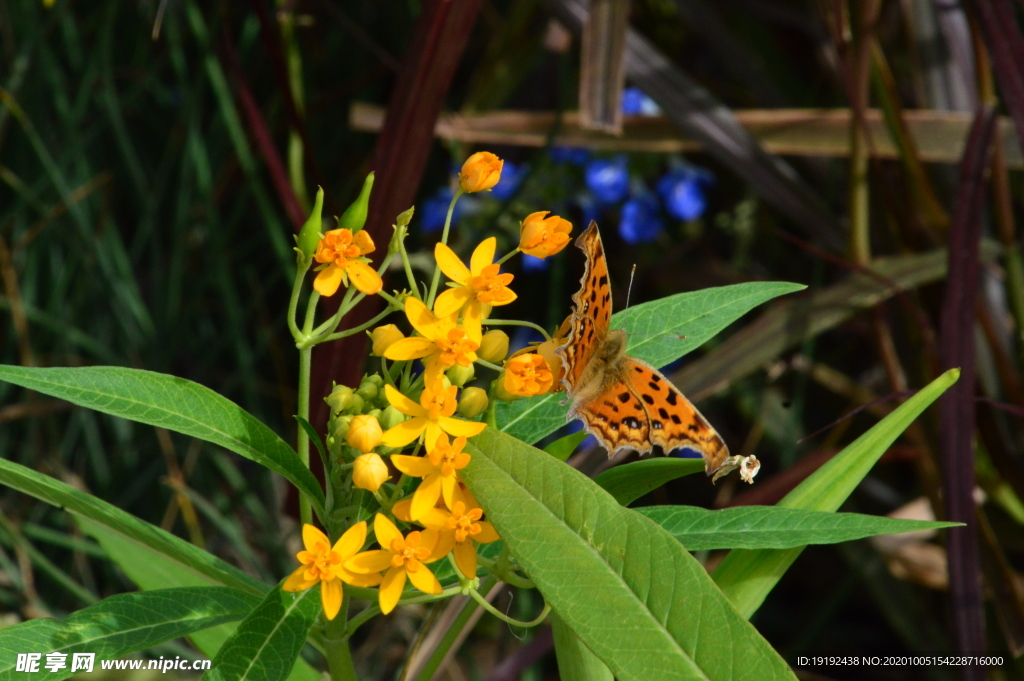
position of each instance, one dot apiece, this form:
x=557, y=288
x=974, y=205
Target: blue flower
x=636, y=103
x=435, y=209
x=640, y=222
x=533, y=264
x=577, y=156
x=608, y=179
x=683, y=193
x=511, y=177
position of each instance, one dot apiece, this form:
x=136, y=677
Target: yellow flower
x=343, y=255
x=369, y=472
x=363, y=432
x=383, y=337
x=478, y=285
x=457, y=530
x=481, y=171
x=542, y=237
x=433, y=414
x=401, y=557
x=325, y=565
x=443, y=343
x=439, y=470
x=527, y=375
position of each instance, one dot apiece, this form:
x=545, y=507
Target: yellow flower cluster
x=448, y=339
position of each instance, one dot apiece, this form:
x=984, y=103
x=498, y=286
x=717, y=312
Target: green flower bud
x=367, y=391
x=391, y=417
x=339, y=398
x=375, y=413
x=354, y=216
x=355, y=404
x=339, y=429
x=473, y=402
x=493, y=346
x=405, y=217
x=376, y=379
x=309, y=236
x=500, y=392
x=460, y=375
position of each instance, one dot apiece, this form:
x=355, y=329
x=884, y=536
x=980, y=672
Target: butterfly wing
x=617, y=419
x=592, y=310
x=672, y=419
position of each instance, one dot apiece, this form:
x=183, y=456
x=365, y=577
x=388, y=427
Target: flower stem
x=505, y=618
x=509, y=255
x=302, y=442
x=339, y=657
x=357, y=329
x=406, y=264
x=293, y=303
x=485, y=363
x=518, y=322
x=444, y=239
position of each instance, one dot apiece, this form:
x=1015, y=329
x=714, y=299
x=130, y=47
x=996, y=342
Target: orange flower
x=479, y=285
x=457, y=530
x=401, y=557
x=343, y=254
x=433, y=415
x=542, y=237
x=439, y=470
x=442, y=343
x=481, y=171
x=527, y=375
x=323, y=564
x=547, y=349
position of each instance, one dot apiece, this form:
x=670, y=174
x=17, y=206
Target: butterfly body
x=623, y=401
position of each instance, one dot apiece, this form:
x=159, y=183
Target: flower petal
x=433, y=518
x=459, y=428
x=433, y=432
x=465, y=558
x=385, y=531
x=403, y=403
x=416, y=466
x=483, y=255
x=405, y=432
x=402, y=509
x=364, y=277
x=391, y=589
x=444, y=545
x=311, y=536
x=330, y=596
x=487, y=533
x=350, y=542
x=422, y=319
x=328, y=280
x=426, y=496
x=356, y=579
x=297, y=581
x=369, y=562
x=410, y=348
x=448, y=490
x=452, y=300
x=471, y=321
x=424, y=580
x=451, y=266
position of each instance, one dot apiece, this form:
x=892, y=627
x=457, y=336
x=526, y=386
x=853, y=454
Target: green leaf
x=173, y=403
x=563, y=447
x=630, y=481
x=637, y=599
x=122, y=624
x=575, y=660
x=661, y=331
x=772, y=527
x=149, y=569
x=268, y=641
x=747, y=575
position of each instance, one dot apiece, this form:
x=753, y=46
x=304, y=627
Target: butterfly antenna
x=630, y=289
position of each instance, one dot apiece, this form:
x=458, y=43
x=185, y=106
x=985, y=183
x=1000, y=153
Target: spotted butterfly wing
x=592, y=310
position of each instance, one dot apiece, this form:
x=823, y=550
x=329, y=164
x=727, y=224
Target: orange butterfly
x=623, y=401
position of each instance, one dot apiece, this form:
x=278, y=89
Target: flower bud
x=480, y=172
x=369, y=472
x=405, y=217
x=309, y=236
x=383, y=337
x=542, y=237
x=527, y=375
x=391, y=417
x=364, y=432
x=493, y=346
x=473, y=402
x=339, y=398
x=375, y=413
x=500, y=393
x=354, y=216
x=354, y=404
x=340, y=426
x=460, y=375
x=367, y=390
x=375, y=379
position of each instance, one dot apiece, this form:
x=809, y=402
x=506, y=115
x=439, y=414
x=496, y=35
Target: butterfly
x=625, y=402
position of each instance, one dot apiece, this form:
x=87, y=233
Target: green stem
x=293, y=303
x=307, y=325
x=505, y=618
x=302, y=443
x=444, y=239
x=343, y=309
x=339, y=657
x=508, y=575
x=452, y=635
x=509, y=255
x=518, y=322
x=429, y=598
x=485, y=363
x=406, y=265
x=354, y=330
x=362, y=618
